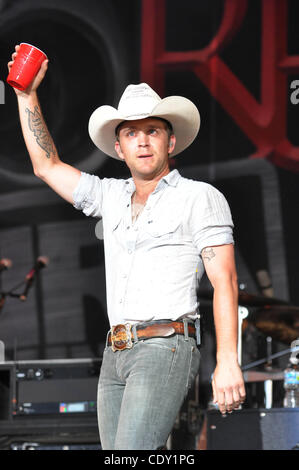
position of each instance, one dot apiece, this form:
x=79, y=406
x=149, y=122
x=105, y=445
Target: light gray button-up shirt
x=153, y=266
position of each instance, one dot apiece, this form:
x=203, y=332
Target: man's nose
x=143, y=139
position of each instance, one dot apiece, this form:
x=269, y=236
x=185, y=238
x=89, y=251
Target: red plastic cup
x=25, y=67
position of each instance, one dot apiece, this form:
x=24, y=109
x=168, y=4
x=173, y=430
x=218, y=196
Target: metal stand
x=22, y=297
x=2, y=351
x=242, y=314
x=272, y=356
x=268, y=385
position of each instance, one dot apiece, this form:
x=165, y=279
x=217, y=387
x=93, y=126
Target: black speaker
x=49, y=404
x=254, y=429
x=56, y=387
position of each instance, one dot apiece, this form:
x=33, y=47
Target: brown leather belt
x=121, y=336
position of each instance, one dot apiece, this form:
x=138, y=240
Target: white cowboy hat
x=140, y=102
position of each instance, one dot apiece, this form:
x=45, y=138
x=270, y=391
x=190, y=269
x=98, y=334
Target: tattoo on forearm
x=208, y=253
x=37, y=126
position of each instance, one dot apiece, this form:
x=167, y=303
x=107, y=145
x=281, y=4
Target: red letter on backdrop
x=264, y=122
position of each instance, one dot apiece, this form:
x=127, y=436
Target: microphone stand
x=272, y=356
x=3, y=296
x=268, y=375
x=257, y=376
x=41, y=262
x=11, y=293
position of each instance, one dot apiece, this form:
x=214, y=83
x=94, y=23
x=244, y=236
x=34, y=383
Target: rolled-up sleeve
x=88, y=195
x=211, y=220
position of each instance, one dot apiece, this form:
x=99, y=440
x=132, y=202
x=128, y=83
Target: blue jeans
x=141, y=390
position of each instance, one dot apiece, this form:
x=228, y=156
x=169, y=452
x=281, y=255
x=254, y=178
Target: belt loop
x=186, y=333
x=107, y=337
x=135, y=333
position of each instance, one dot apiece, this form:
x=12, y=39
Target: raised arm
x=61, y=177
x=228, y=385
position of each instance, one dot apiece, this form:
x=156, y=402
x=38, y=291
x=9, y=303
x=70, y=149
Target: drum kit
x=277, y=320
x=261, y=320
x=273, y=317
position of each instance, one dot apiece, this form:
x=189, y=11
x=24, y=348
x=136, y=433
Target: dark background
x=95, y=50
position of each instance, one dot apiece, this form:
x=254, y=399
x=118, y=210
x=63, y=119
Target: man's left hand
x=228, y=387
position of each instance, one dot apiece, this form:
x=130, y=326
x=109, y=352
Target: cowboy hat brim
x=179, y=111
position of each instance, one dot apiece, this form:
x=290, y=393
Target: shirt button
x=130, y=252
x=120, y=301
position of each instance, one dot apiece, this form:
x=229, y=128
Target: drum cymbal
x=246, y=299
x=252, y=300
x=281, y=322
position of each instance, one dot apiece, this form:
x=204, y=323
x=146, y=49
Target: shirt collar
x=171, y=179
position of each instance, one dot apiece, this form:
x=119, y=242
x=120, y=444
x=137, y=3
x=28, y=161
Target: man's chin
x=145, y=168
x=145, y=174
x=149, y=173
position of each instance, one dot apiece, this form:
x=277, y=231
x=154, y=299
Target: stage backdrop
x=238, y=61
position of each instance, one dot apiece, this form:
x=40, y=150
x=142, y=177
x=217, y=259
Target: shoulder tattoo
x=208, y=253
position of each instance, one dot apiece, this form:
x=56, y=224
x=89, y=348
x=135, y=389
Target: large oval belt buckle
x=121, y=337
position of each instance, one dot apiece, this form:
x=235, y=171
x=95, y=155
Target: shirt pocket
x=166, y=228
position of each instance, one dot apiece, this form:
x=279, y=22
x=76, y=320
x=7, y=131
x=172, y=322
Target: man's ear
x=171, y=144
x=118, y=150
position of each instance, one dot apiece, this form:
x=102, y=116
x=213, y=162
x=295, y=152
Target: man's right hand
x=37, y=79
x=61, y=177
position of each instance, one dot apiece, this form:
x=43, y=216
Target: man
x=160, y=232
